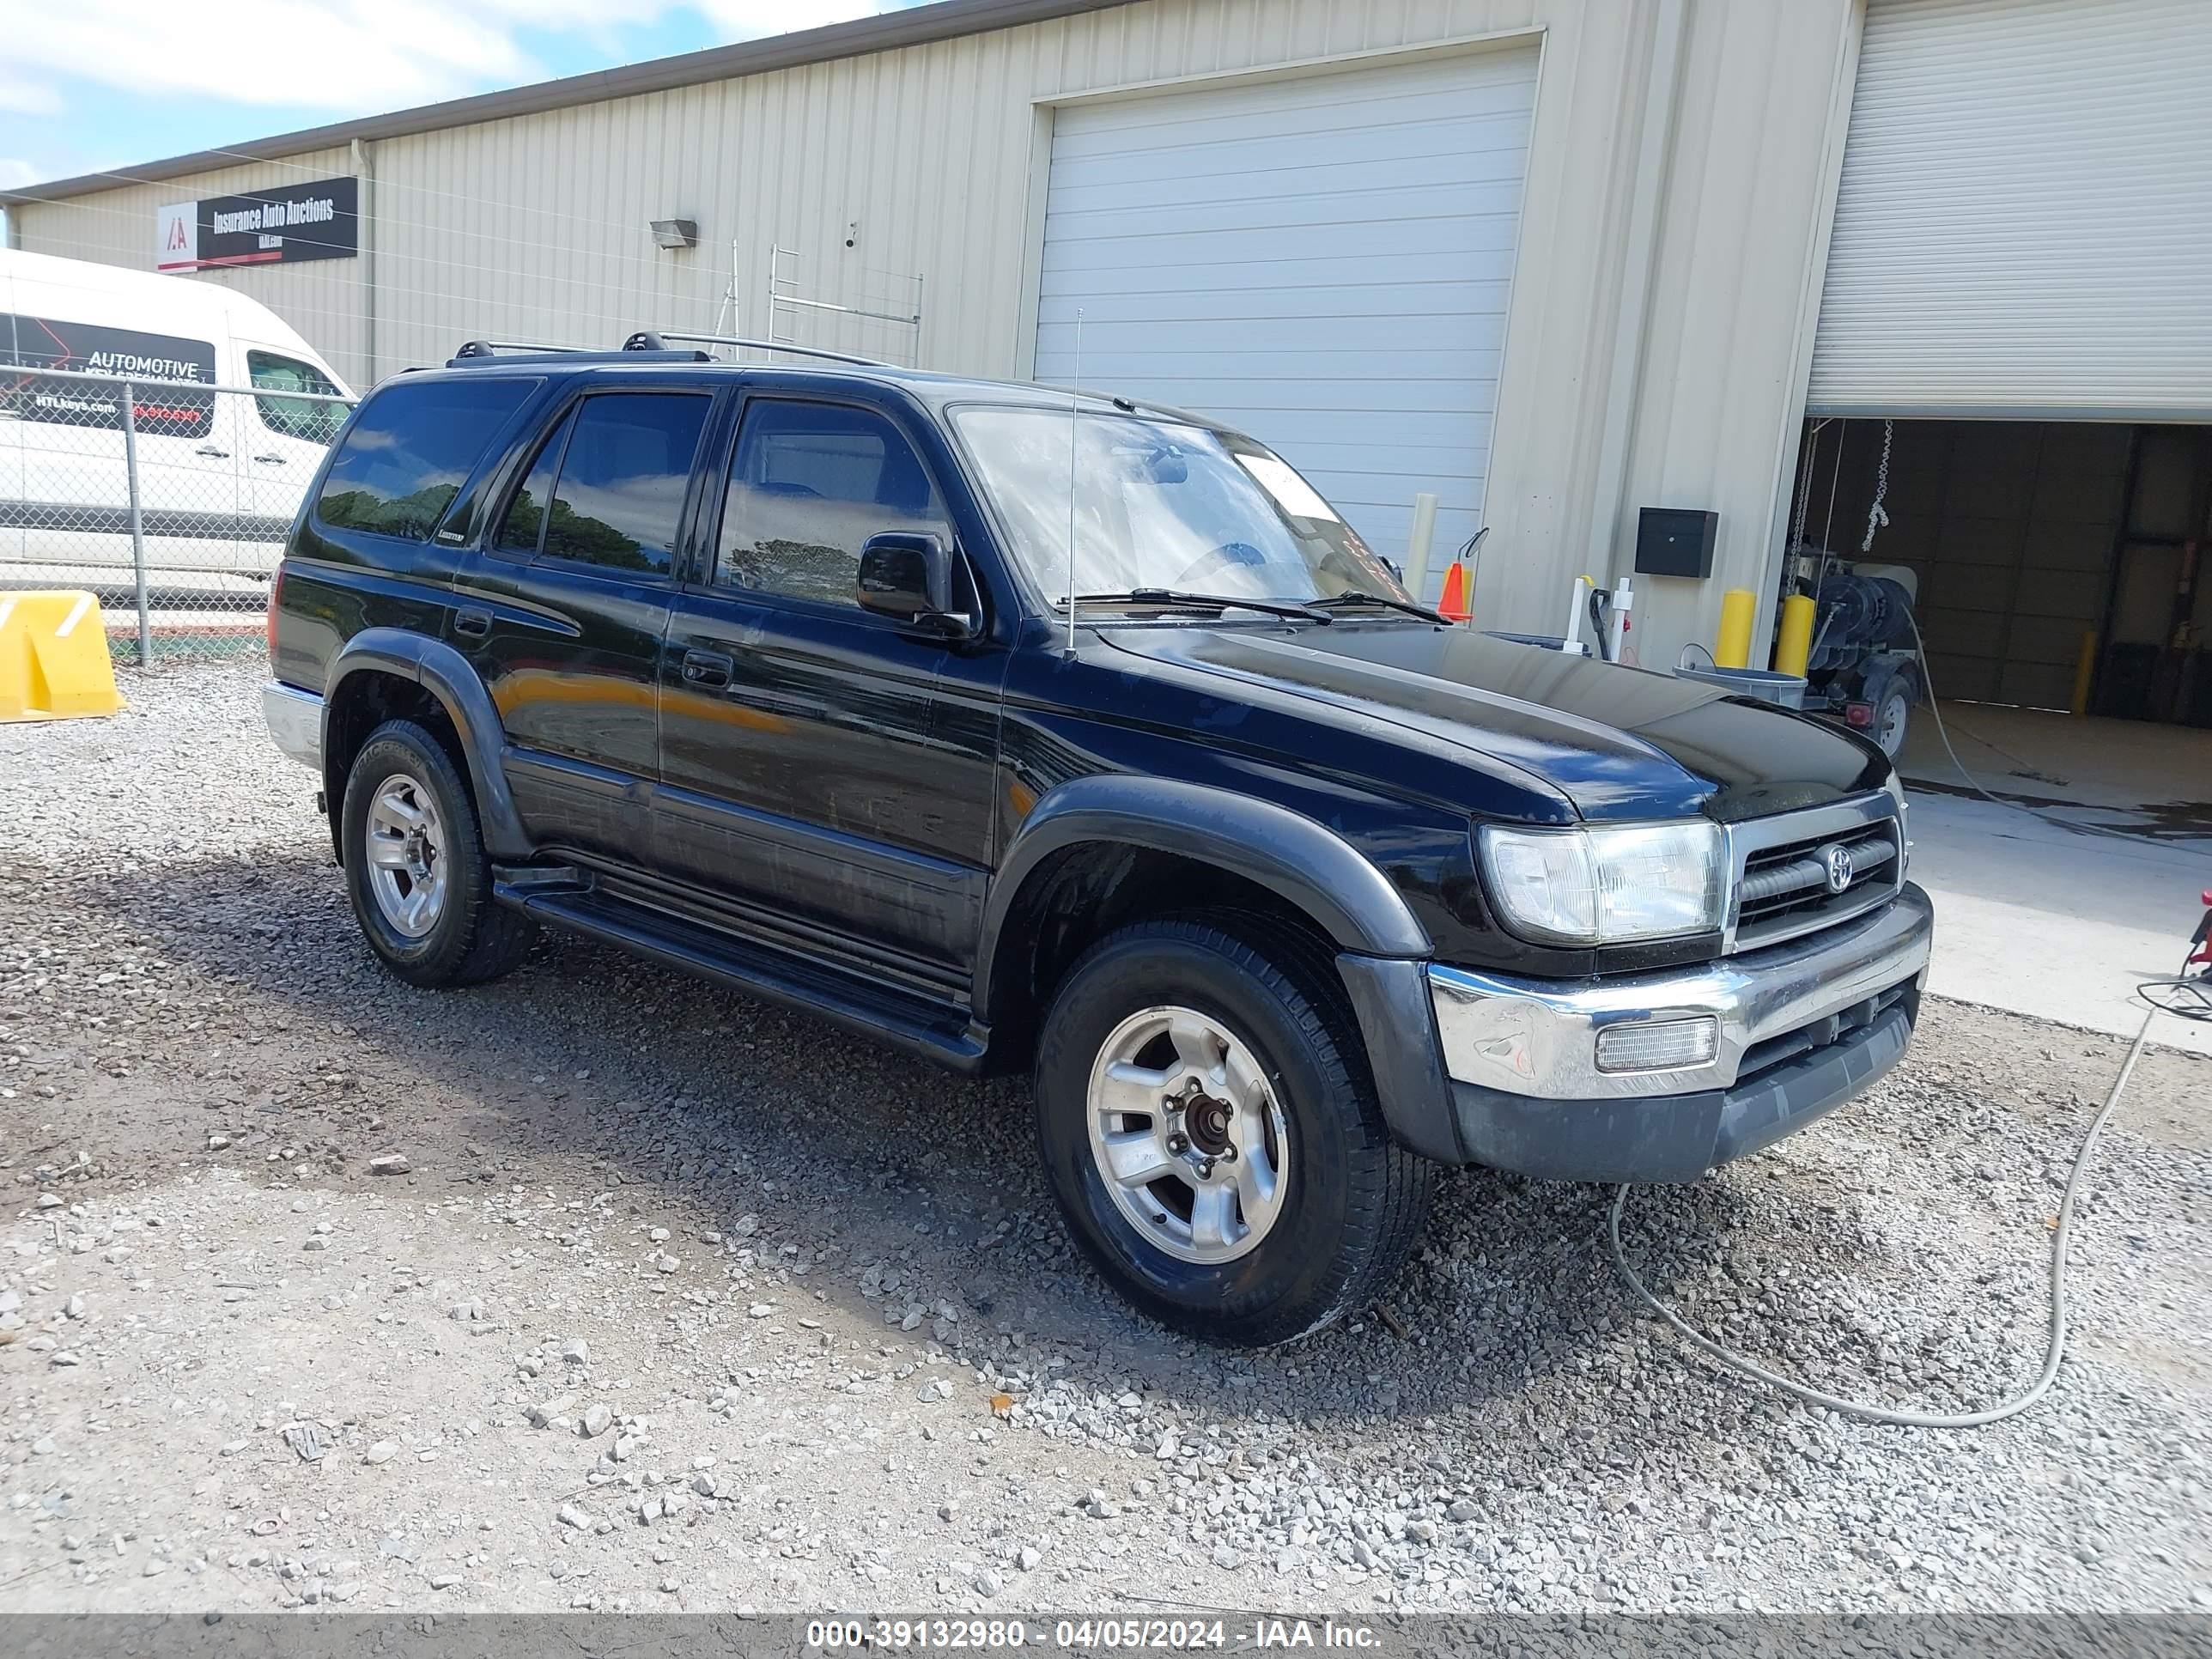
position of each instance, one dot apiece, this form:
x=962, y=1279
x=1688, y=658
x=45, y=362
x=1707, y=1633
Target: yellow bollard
x=2085, y=671
x=1793, y=646
x=53, y=657
x=1733, y=648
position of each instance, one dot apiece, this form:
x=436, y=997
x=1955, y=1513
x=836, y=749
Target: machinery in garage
x=1862, y=661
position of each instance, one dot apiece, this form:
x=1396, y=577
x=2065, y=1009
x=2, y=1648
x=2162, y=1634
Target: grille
x=1785, y=868
x=1822, y=1033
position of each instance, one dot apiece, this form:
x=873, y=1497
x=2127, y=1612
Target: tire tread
x=489, y=940
x=1390, y=1191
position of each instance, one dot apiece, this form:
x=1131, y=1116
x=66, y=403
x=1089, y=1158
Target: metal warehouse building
x=1554, y=261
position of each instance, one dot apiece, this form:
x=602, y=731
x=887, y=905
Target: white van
x=219, y=477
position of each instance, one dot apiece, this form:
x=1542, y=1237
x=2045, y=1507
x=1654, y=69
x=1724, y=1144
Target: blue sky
x=98, y=85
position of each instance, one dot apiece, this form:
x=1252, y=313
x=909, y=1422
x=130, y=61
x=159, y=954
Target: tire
x=1347, y=1201
x=1890, y=717
x=456, y=932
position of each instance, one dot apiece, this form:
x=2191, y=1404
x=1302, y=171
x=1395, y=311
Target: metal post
x=138, y=527
x=1418, y=543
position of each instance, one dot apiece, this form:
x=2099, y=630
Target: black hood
x=1616, y=742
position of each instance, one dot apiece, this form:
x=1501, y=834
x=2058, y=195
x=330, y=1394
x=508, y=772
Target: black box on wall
x=1676, y=541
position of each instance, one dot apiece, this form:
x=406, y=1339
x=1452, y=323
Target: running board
x=934, y=1030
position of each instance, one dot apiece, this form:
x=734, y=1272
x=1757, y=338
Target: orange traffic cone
x=1454, y=605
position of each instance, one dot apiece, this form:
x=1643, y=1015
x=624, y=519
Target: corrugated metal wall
x=1646, y=363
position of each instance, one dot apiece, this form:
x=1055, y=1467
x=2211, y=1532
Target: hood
x=1616, y=742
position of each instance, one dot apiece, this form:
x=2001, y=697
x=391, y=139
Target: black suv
x=1285, y=889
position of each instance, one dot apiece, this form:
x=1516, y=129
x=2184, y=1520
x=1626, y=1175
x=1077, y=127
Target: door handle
x=475, y=623
x=210, y=449
x=710, y=668
x=269, y=460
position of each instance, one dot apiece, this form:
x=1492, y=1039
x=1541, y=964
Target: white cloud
x=14, y=172
x=348, y=56
x=19, y=96
x=748, y=20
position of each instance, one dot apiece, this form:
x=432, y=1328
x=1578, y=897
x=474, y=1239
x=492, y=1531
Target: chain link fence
x=168, y=500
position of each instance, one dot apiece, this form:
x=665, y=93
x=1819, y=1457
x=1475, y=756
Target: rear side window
x=410, y=452
x=293, y=417
x=623, y=473
x=86, y=349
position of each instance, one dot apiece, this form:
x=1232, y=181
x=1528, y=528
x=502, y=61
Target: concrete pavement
x=2042, y=920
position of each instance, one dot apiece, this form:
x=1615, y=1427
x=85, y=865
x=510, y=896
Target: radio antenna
x=1074, y=406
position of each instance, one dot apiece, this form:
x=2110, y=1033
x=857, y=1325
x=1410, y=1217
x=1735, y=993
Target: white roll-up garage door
x=2025, y=223
x=1322, y=262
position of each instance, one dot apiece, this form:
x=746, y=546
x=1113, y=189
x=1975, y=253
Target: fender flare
x=448, y=677
x=1297, y=857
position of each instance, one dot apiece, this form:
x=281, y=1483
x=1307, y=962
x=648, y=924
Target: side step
x=934, y=1030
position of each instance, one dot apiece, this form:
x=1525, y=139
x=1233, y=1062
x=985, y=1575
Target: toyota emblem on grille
x=1838, y=860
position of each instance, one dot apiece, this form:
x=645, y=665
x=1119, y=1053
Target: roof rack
x=649, y=344
x=644, y=345
x=490, y=348
x=776, y=345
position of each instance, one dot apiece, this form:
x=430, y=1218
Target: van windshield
x=1161, y=504
x=294, y=417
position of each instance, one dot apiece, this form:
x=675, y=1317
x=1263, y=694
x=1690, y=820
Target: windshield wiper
x=1169, y=596
x=1355, y=596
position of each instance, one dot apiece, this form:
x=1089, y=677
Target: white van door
x=76, y=485
x=286, y=438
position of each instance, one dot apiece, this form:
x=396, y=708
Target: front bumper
x=1802, y=1027
x=295, y=721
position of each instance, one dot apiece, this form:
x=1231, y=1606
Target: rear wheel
x=416, y=867
x=1211, y=1134
x=1890, y=717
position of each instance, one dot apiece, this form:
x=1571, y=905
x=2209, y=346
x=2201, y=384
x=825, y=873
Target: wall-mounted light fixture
x=676, y=232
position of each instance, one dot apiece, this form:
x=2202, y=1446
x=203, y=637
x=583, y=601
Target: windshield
x=1160, y=504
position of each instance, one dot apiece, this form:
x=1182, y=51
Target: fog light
x=1658, y=1045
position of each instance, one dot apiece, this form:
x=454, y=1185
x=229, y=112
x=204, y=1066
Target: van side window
x=294, y=417
x=811, y=484
x=623, y=476
x=411, y=449
x=162, y=410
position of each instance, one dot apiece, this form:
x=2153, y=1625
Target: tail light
x=276, y=597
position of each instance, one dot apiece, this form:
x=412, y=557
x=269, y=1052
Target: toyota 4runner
x=1024, y=729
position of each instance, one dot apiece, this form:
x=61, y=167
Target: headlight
x=1605, y=886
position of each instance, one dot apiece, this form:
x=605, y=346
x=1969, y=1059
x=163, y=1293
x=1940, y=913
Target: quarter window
x=294, y=417
x=811, y=484
x=619, y=500
x=411, y=449
x=525, y=524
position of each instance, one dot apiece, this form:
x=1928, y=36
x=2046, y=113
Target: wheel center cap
x=1206, y=1121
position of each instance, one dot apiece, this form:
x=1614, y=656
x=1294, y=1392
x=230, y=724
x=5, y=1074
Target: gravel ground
x=604, y=1288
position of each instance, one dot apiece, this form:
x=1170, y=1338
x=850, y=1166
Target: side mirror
x=909, y=577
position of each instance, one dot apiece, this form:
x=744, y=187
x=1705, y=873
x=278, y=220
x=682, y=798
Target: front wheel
x=1211, y=1131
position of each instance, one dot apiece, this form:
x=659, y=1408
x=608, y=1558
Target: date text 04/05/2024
x=1254, y=1632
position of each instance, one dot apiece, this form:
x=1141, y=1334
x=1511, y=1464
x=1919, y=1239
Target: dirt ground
x=602, y=1288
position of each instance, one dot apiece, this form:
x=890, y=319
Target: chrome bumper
x=295, y=721
x=1538, y=1037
